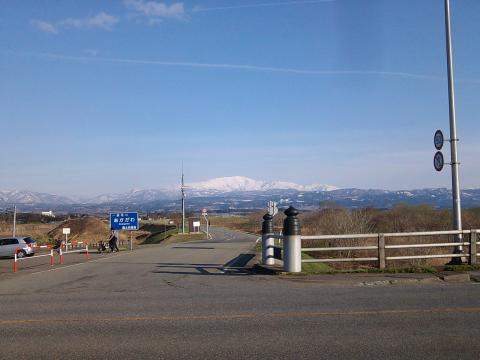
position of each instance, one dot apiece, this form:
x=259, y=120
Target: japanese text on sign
x=124, y=221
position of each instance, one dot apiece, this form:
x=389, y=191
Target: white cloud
x=100, y=21
x=44, y=26
x=257, y=5
x=155, y=10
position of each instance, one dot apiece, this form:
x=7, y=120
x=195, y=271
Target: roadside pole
x=66, y=232
x=205, y=215
x=457, y=212
x=14, y=220
x=292, y=243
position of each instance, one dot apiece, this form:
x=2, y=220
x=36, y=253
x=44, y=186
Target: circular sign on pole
x=438, y=139
x=438, y=161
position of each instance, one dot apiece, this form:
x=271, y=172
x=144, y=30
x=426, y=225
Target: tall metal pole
x=183, y=204
x=14, y=220
x=457, y=209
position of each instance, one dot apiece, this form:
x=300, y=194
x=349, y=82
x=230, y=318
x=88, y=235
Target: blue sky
x=107, y=96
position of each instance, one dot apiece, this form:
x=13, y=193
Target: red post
x=86, y=252
x=61, y=256
x=51, y=257
x=15, y=263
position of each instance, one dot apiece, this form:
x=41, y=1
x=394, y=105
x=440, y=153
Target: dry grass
x=251, y=223
x=337, y=220
x=36, y=231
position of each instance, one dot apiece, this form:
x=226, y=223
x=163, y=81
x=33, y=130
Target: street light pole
x=457, y=209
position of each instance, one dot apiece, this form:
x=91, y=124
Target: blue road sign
x=124, y=221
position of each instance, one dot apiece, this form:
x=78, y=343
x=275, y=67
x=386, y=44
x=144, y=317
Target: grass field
x=158, y=237
x=37, y=231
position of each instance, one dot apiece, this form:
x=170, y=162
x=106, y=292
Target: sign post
x=438, y=161
x=272, y=208
x=205, y=215
x=124, y=221
x=66, y=232
x=457, y=208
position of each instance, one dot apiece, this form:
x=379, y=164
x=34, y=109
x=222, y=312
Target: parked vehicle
x=24, y=246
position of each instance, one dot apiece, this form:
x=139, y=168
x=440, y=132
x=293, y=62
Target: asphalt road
x=196, y=301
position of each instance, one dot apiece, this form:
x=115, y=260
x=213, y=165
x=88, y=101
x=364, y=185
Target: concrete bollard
x=267, y=240
x=292, y=243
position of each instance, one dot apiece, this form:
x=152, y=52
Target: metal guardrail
x=381, y=246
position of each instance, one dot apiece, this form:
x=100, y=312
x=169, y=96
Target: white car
x=23, y=246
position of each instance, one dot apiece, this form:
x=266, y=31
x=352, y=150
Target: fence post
x=292, y=243
x=381, y=251
x=267, y=240
x=473, y=247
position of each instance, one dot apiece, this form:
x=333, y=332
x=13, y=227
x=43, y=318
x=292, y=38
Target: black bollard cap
x=267, y=225
x=291, y=211
x=291, y=224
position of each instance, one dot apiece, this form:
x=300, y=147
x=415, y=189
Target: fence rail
x=381, y=246
x=291, y=248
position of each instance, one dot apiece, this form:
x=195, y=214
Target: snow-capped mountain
x=210, y=187
x=237, y=193
x=31, y=197
x=242, y=183
x=133, y=196
x=231, y=184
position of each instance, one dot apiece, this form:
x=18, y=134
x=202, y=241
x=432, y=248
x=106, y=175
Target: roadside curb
x=369, y=279
x=454, y=277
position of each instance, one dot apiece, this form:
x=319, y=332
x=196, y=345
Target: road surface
x=197, y=301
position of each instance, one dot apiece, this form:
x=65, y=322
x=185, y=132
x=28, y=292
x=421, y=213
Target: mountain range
x=235, y=194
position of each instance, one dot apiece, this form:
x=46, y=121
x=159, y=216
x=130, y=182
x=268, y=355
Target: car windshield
x=29, y=240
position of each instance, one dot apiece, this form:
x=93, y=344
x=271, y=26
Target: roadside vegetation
x=158, y=237
x=334, y=220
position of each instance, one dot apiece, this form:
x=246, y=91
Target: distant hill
x=237, y=194
x=86, y=229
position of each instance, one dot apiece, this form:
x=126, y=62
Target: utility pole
x=183, y=204
x=457, y=209
x=14, y=220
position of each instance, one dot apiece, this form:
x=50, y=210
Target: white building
x=48, y=213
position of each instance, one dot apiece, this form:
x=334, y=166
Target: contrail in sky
x=279, y=3
x=244, y=67
x=236, y=66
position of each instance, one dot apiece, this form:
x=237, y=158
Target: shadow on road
x=234, y=267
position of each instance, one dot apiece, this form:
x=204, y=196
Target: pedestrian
x=57, y=245
x=112, y=242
